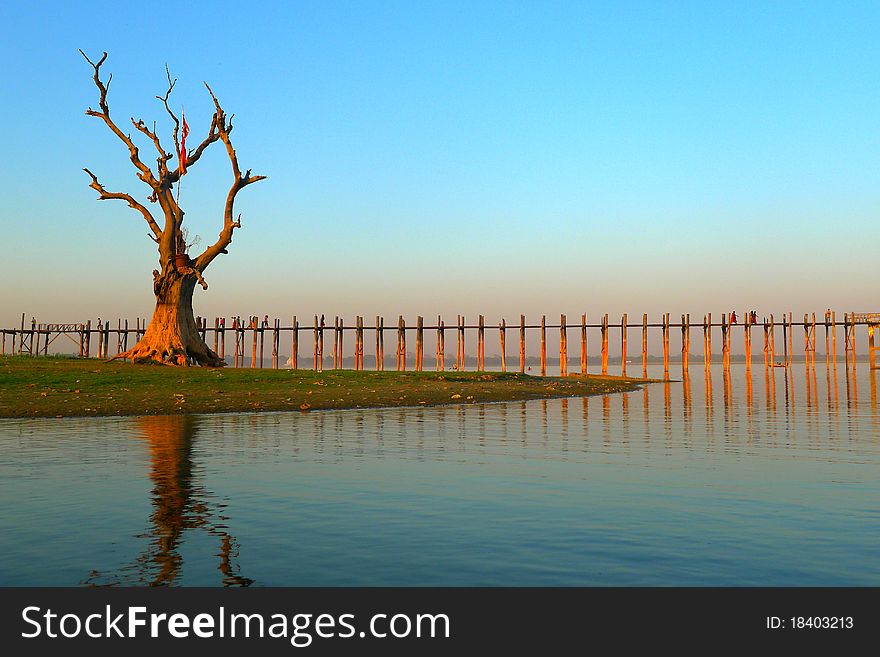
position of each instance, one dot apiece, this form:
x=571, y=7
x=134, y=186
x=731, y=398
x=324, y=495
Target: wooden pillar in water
x=665, y=345
x=502, y=337
x=685, y=342
x=361, y=352
x=725, y=342
x=420, y=344
x=321, y=345
x=543, y=346
x=709, y=340
x=380, y=343
x=253, y=327
x=705, y=342
x=807, y=339
x=262, y=340
x=522, y=343
x=849, y=335
x=604, y=330
x=772, y=341
x=440, y=357
x=336, y=342
x=871, y=358
x=790, y=340
x=563, y=347
x=342, y=341
x=222, y=351
x=645, y=345
x=294, y=344
x=401, y=344
x=481, y=344
x=459, y=355
x=584, y=343
x=316, y=344
x=813, y=338
x=623, y=345
x=834, y=336
x=747, y=338
x=341, y=335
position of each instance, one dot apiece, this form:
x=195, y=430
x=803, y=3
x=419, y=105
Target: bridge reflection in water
x=180, y=504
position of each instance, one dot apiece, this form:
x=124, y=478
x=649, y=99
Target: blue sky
x=457, y=157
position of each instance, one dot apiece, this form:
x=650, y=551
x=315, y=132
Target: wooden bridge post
x=459, y=343
x=522, y=344
x=772, y=340
x=584, y=343
x=439, y=356
x=321, y=345
x=706, y=357
x=294, y=343
x=88, y=339
x=871, y=358
x=253, y=326
x=262, y=329
x=335, y=342
x=807, y=339
x=604, y=330
x=400, y=338
x=685, y=342
x=380, y=343
x=645, y=345
x=341, y=331
x=849, y=344
x=481, y=344
x=623, y=345
x=790, y=340
x=276, y=342
x=834, y=337
x=709, y=340
x=543, y=346
x=315, y=351
x=361, y=352
x=420, y=343
x=503, y=331
x=725, y=342
x=563, y=347
x=665, y=345
x=813, y=338
x=747, y=337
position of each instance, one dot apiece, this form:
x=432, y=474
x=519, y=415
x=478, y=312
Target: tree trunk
x=172, y=338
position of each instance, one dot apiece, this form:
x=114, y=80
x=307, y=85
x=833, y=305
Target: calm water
x=715, y=481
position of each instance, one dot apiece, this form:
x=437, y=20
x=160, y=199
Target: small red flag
x=182, y=155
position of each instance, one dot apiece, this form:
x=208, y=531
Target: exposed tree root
x=174, y=356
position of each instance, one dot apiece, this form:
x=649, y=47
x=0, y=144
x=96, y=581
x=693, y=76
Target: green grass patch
x=63, y=386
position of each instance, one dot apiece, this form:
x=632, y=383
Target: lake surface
x=760, y=479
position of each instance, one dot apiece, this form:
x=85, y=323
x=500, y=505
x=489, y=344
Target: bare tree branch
x=152, y=136
x=104, y=195
x=173, y=116
x=146, y=175
x=239, y=182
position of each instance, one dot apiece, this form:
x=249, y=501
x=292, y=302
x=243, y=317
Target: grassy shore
x=60, y=387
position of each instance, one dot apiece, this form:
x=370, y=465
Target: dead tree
x=172, y=337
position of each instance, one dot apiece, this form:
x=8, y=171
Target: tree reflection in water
x=180, y=503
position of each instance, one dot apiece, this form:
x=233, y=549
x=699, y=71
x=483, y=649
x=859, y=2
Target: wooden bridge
x=249, y=337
